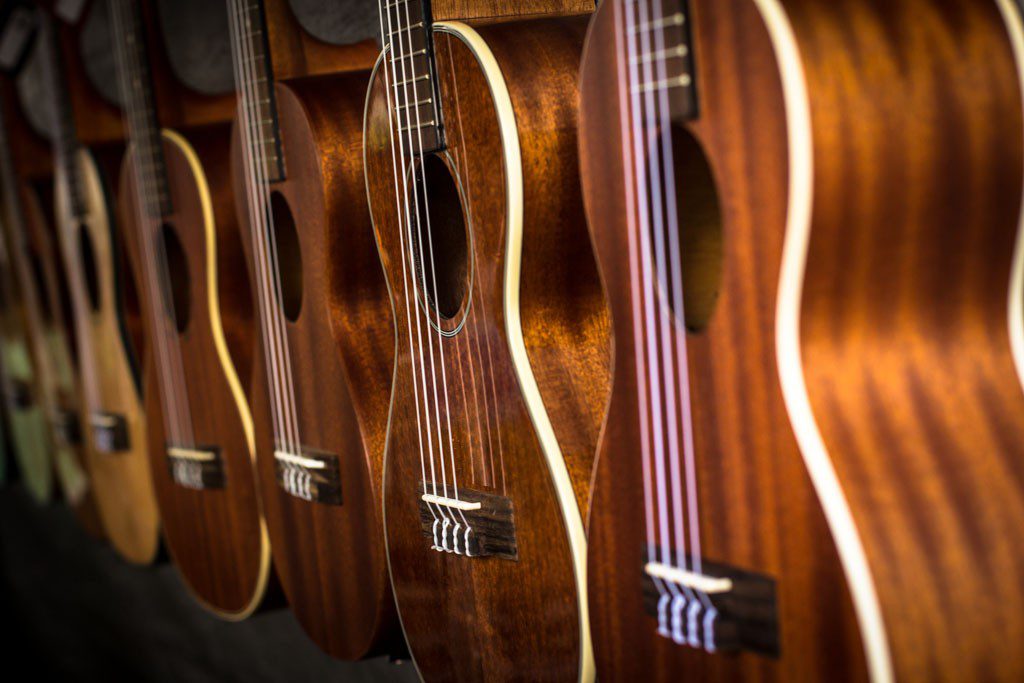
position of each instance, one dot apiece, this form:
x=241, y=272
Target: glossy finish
x=330, y=558
x=487, y=618
x=919, y=158
x=217, y=538
x=758, y=510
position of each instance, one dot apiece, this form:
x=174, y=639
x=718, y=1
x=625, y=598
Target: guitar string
x=246, y=123
x=171, y=402
x=172, y=386
x=275, y=344
x=62, y=147
x=407, y=36
x=480, y=307
x=658, y=129
x=411, y=56
x=649, y=127
x=424, y=211
x=171, y=416
x=630, y=136
x=160, y=266
x=401, y=207
x=269, y=243
x=682, y=380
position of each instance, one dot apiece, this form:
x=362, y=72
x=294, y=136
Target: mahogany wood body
x=487, y=618
x=507, y=9
x=919, y=158
x=916, y=198
x=295, y=53
x=217, y=537
x=758, y=509
x=107, y=370
x=330, y=558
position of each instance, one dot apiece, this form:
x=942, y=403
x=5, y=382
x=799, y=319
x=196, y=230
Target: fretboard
x=412, y=74
x=8, y=185
x=662, y=52
x=140, y=106
x=65, y=139
x=254, y=78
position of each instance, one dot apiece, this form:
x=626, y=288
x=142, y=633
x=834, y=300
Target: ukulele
x=728, y=540
x=26, y=422
x=307, y=235
x=56, y=457
x=180, y=230
x=501, y=342
x=114, y=422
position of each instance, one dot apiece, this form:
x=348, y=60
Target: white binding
x=517, y=346
x=1015, y=300
x=787, y=341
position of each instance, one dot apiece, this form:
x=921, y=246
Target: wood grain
x=488, y=618
x=758, y=511
x=53, y=338
x=506, y=9
x=121, y=480
x=917, y=132
x=217, y=538
x=330, y=558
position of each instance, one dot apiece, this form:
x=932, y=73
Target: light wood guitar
x=113, y=423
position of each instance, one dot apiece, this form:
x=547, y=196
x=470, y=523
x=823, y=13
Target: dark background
x=70, y=609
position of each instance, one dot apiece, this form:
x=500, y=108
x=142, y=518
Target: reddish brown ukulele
x=325, y=326
x=473, y=186
x=727, y=540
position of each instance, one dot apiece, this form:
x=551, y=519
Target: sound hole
x=289, y=256
x=177, y=295
x=88, y=257
x=36, y=266
x=441, y=261
x=699, y=236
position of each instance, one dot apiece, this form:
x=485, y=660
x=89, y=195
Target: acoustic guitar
x=182, y=239
x=114, y=423
x=779, y=498
x=26, y=422
x=298, y=181
x=501, y=342
x=47, y=443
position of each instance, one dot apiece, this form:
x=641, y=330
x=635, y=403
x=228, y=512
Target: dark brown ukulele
x=179, y=224
x=501, y=354
x=325, y=335
x=738, y=530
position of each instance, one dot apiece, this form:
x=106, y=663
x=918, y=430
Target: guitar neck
x=140, y=106
x=657, y=48
x=65, y=138
x=412, y=74
x=254, y=78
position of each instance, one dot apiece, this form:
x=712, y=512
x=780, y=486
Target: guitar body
x=27, y=427
x=909, y=324
x=511, y=176
x=52, y=338
x=787, y=158
x=329, y=556
x=119, y=472
x=216, y=535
